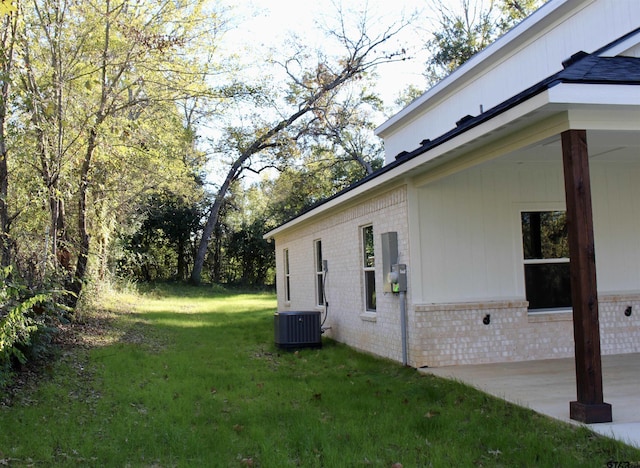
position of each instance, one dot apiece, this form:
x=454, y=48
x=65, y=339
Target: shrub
x=27, y=321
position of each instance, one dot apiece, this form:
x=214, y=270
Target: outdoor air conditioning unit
x=298, y=329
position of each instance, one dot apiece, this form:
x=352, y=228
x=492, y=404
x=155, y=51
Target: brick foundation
x=455, y=334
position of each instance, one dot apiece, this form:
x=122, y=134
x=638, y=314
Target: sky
x=259, y=25
x=268, y=22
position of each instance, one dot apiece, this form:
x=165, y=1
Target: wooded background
x=136, y=144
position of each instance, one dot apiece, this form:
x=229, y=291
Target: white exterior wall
x=470, y=230
x=464, y=228
x=340, y=233
x=470, y=256
x=520, y=64
x=471, y=259
x=470, y=235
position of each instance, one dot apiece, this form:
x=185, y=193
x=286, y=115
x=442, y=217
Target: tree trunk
x=83, y=190
x=182, y=263
x=83, y=234
x=216, y=268
x=5, y=241
x=212, y=220
x=8, y=40
x=5, y=221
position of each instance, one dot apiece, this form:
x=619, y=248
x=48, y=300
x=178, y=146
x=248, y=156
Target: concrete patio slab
x=548, y=386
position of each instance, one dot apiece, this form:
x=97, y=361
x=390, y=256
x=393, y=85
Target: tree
x=460, y=33
x=296, y=189
x=124, y=88
x=514, y=11
x=102, y=86
x=345, y=133
x=44, y=95
x=250, y=254
x=8, y=29
x=310, y=93
x=408, y=95
x=168, y=223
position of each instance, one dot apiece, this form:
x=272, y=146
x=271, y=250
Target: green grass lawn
x=189, y=377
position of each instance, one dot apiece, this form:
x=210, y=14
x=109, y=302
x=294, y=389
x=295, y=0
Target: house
x=472, y=200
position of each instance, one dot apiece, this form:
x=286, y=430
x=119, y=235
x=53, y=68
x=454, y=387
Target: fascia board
x=622, y=46
x=595, y=94
x=557, y=98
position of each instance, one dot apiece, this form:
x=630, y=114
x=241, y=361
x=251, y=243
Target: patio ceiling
x=604, y=146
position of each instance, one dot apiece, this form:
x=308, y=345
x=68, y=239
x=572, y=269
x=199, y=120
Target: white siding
x=470, y=228
x=521, y=66
x=460, y=234
x=616, y=208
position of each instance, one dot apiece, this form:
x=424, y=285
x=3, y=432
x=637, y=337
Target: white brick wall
x=438, y=334
x=452, y=334
x=340, y=233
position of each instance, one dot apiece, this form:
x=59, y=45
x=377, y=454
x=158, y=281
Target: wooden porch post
x=589, y=407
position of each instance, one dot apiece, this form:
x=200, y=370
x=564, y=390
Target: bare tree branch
x=311, y=88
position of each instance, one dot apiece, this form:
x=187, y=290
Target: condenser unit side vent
x=300, y=329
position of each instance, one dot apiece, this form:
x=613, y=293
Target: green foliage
x=294, y=107
x=249, y=257
x=338, y=150
x=25, y=322
x=238, y=254
x=408, y=95
x=545, y=235
x=102, y=106
x=160, y=249
x=107, y=105
x=16, y=327
x=295, y=190
x=514, y=11
x=462, y=32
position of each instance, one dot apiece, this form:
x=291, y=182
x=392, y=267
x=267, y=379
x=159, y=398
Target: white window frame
x=368, y=270
x=319, y=273
x=287, y=276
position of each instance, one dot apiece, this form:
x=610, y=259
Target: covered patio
x=547, y=386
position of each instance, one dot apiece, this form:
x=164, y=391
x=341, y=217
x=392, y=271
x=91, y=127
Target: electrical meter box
x=399, y=278
x=389, y=257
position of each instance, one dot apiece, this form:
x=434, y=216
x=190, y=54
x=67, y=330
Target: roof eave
x=486, y=58
x=555, y=98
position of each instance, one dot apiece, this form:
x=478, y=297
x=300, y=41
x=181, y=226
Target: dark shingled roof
x=582, y=68
x=602, y=70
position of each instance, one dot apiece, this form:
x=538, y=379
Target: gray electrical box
x=398, y=278
x=389, y=257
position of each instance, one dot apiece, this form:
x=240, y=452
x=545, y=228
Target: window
x=319, y=273
x=368, y=264
x=287, y=277
x=546, y=259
